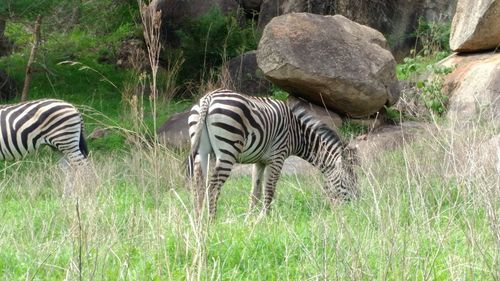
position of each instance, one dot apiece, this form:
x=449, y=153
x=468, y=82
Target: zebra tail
x=83, y=144
x=195, y=141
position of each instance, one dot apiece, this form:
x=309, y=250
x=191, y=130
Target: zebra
x=262, y=131
x=24, y=127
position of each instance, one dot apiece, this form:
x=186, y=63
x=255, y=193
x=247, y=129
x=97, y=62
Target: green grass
x=426, y=211
x=415, y=219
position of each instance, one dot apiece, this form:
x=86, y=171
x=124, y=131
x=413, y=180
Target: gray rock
x=98, y=133
x=385, y=138
x=175, y=132
x=329, y=60
x=475, y=26
x=246, y=77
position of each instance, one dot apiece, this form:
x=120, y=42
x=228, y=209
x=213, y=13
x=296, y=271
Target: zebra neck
x=317, y=146
x=316, y=143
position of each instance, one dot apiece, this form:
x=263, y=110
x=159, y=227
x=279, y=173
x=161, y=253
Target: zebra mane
x=299, y=108
x=6, y=105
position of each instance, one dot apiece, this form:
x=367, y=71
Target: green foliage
x=393, y=114
x=417, y=65
x=432, y=37
x=104, y=17
x=350, y=129
x=27, y=8
x=432, y=45
x=17, y=33
x=432, y=94
x=421, y=67
x=428, y=78
x=278, y=93
x=97, y=17
x=209, y=40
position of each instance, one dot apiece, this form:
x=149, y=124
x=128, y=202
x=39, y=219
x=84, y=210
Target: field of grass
x=428, y=211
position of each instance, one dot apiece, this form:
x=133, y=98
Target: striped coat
x=26, y=126
x=236, y=128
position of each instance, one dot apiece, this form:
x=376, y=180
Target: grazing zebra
x=26, y=126
x=240, y=129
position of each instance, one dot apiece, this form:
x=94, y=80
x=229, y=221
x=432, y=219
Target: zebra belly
x=253, y=151
x=14, y=154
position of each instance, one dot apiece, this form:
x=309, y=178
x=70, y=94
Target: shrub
x=209, y=40
x=432, y=95
x=432, y=37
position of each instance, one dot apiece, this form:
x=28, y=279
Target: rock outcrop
x=476, y=26
x=473, y=87
x=331, y=61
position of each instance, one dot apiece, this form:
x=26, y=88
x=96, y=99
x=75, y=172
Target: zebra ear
x=350, y=153
x=296, y=103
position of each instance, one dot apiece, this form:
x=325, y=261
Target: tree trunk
x=36, y=43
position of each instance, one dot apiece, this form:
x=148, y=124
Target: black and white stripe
x=26, y=126
x=240, y=129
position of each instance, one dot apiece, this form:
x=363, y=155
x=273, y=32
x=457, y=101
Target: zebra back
x=26, y=126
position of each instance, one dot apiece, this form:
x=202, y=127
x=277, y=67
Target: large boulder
x=395, y=19
x=331, y=61
x=475, y=26
x=8, y=87
x=246, y=77
x=473, y=87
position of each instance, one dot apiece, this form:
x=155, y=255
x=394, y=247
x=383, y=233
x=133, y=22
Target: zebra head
x=321, y=146
x=337, y=162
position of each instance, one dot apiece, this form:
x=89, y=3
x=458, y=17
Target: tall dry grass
x=427, y=211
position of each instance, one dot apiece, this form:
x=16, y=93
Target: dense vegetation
x=416, y=218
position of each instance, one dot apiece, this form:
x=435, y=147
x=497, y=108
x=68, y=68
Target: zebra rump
x=26, y=126
x=236, y=128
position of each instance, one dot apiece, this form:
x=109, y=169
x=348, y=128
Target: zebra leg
x=257, y=174
x=271, y=176
x=76, y=170
x=221, y=172
x=199, y=174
